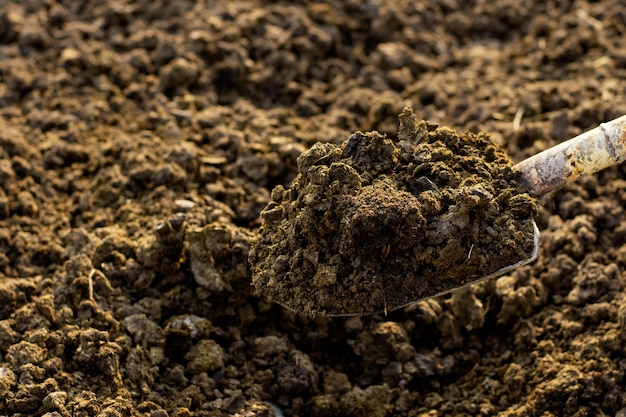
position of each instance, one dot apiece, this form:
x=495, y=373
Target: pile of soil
x=140, y=141
x=375, y=223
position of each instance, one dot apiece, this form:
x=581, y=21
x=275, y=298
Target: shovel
x=585, y=154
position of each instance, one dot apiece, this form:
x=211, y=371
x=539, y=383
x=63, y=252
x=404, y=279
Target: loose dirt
x=140, y=141
x=376, y=223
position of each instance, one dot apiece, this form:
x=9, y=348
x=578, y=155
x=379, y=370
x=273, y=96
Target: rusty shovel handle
x=587, y=153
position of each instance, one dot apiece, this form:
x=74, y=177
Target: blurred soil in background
x=139, y=141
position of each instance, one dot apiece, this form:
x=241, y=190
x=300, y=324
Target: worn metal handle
x=587, y=153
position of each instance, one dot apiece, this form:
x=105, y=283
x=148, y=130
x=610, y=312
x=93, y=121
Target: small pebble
x=184, y=206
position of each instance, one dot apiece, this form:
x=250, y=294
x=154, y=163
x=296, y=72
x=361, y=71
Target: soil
x=376, y=223
x=140, y=141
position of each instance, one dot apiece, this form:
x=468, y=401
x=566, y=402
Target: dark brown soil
x=377, y=223
x=140, y=140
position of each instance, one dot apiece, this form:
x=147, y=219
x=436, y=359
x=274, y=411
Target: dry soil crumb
x=376, y=223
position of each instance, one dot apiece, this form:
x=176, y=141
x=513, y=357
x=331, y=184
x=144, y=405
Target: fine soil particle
x=377, y=223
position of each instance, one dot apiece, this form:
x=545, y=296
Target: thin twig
x=90, y=278
x=517, y=120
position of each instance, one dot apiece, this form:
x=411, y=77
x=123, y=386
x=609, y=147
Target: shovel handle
x=587, y=153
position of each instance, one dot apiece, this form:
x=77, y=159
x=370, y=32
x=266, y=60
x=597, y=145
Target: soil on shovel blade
x=376, y=223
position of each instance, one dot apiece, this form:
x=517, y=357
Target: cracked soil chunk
x=377, y=223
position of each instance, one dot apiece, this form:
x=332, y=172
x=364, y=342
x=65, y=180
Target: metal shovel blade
x=374, y=225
